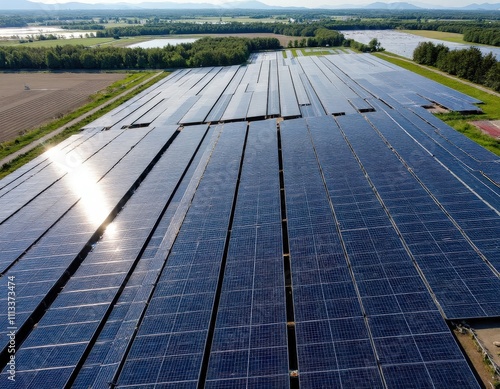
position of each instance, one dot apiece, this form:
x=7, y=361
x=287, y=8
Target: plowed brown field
x=28, y=100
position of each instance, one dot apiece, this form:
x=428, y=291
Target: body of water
x=404, y=44
x=155, y=43
x=24, y=32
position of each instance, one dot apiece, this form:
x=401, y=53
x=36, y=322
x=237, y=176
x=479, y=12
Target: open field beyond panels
x=28, y=100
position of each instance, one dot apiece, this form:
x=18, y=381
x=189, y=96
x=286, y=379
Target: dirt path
x=45, y=138
x=477, y=86
x=476, y=358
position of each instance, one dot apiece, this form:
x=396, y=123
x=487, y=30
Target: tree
x=374, y=45
x=3, y=59
x=88, y=60
x=175, y=61
x=492, y=78
x=52, y=60
x=130, y=59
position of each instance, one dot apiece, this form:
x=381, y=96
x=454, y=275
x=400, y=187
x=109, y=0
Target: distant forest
x=204, y=52
x=474, y=32
x=477, y=26
x=311, y=27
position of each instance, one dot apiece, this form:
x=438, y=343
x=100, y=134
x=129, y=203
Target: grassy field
x=491, y=106
x=316, y=52
x=227, y=19
x=61, y=42
x=444, y=36
x=113, y=90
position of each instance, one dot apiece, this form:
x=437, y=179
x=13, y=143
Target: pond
x=155, y=43
x=404, y=44
x=24, y=32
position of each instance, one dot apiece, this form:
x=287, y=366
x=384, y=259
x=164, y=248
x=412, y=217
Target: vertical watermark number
x=12, y=328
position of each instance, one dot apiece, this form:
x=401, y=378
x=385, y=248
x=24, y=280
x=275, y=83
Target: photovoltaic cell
x=213, y=201
x=387, y=214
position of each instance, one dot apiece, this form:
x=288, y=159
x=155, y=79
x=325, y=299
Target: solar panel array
x=296, y=222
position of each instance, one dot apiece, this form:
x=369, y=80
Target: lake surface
x=24, y=32
x=158, y=43
x=404, y=44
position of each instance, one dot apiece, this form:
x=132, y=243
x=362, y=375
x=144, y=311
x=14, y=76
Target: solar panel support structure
x=293, y=364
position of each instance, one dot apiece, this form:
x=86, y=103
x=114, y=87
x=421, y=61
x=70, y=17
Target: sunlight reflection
x=82, y=181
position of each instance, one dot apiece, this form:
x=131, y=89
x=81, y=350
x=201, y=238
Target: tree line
x=324, y=37
x=58, y=14
x=486, y=36
x=470, y=64
x=474, y=31
x=477, y=27
x=204, y=52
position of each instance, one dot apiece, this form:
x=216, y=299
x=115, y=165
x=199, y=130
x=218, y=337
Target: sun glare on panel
x=82, y=181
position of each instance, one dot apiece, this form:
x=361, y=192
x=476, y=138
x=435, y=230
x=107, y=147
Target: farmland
x=28, y=100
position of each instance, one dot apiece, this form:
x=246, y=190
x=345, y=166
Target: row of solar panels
x=396, y=211
x=356, y=286
x=316, y=85
x=272, y=86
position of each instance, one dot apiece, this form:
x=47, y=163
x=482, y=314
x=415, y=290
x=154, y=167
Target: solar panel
x=371, y=159
x=386, y=305
x=101, y=289
x=288, y=101
x=255, y=245
x=183, y=277
x=186, y=319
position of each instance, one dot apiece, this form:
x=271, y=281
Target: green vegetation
x=60, y=42
x=98, y=99
x=307, y=29
x=204, y=52
x=441, y=35
x=487, y=36
x=229, y=19
x=461, y=123
x=469, y=63
x=316, y=52
x=321, y=37
x=483, y=37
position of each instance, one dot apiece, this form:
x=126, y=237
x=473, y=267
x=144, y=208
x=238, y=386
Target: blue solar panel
x=323, y=380
x=408, y=376
x=249, y=304
x=397, y=350
x=197, y=291
x=385, y=277
x=390, y=221
x=354, y=354
x=454, y=374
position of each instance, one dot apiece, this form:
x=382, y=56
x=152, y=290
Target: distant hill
x=243, y=4
x=18, y=4
x=30, y=5
x=399, y=5
x=484, y=6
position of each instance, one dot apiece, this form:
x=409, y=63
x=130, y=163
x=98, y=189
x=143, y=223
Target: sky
x=283, y=3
